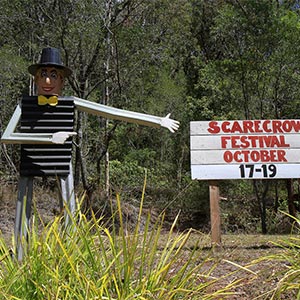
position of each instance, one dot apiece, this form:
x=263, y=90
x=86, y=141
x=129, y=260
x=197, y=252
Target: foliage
x=126, y=175
x=247, y=77
x=92, y=261
x=12, y=80
x=197, y=59
x=288, y=283
x=12, y=84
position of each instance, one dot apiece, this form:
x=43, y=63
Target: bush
x=90, y=260
x=288, y=286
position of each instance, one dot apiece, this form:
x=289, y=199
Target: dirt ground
x=45, y=203
x=233, y=261
x=258, y=278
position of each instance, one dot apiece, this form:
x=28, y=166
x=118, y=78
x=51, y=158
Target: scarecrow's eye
x=43, y=73
x=54, y=75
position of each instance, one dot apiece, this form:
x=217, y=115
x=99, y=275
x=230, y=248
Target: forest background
x=198, y=59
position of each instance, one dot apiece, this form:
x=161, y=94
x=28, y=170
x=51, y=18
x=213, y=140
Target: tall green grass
x=288, y=286
x=97, y=260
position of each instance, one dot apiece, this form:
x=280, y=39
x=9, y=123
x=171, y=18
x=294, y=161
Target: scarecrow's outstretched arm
x=11, y=137
x=125, y=115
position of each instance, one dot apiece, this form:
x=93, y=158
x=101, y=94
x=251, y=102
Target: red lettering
x=227, y=156
x=244, y=142
x=248, y=126
x=296, y=125
x=246, y=155
x=261, y=141
x=237, y=127
x=224, y=140
x=281, y=142
x=287, y=126
x=265, y=126
x=254, y=126
x=273, y=156
x=281, y=155
x=267, y=140
x=225, y=127
x=237, y=156
x=265, y=156
x=277, y=126
x=213, y=127
x=255, y=156
x=253, y=139
x=234, y=141
x=257, y=126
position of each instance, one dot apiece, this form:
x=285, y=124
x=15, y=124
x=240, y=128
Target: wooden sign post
x=249, y=149
x=215, y=218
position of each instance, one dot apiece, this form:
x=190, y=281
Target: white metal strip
x=208, y=157
x=245, y=171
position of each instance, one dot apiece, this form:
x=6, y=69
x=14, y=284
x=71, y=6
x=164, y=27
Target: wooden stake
x=214, y=196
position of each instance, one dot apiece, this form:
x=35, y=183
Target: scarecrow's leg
x=68, y=196
x=23, y=214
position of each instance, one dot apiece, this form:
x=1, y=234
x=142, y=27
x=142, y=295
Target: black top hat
x=50, y=57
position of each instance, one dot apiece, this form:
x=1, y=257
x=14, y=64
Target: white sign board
x=245, y=149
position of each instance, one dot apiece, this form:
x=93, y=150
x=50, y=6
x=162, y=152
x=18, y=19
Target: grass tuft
x=288, y=284
x=90, y=260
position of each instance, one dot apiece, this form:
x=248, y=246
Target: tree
x=147, y=44
x=248, y=66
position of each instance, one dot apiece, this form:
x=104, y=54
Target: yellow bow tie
x=42, y=100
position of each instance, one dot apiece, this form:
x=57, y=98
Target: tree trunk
x=290, y=192
x=80, y=165
x=107, y=87
x=261, y=199
x=276, y=203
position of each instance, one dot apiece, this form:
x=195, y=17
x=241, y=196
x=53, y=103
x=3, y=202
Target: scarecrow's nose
x=47, y=80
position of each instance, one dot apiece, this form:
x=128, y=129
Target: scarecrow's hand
x=171, y=124
x=61, y=136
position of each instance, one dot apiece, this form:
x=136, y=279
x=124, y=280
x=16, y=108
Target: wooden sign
x=245, y=149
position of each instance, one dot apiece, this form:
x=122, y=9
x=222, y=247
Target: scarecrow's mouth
x=47, y=89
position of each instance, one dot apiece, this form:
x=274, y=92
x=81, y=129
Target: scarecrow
x=45, y=134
